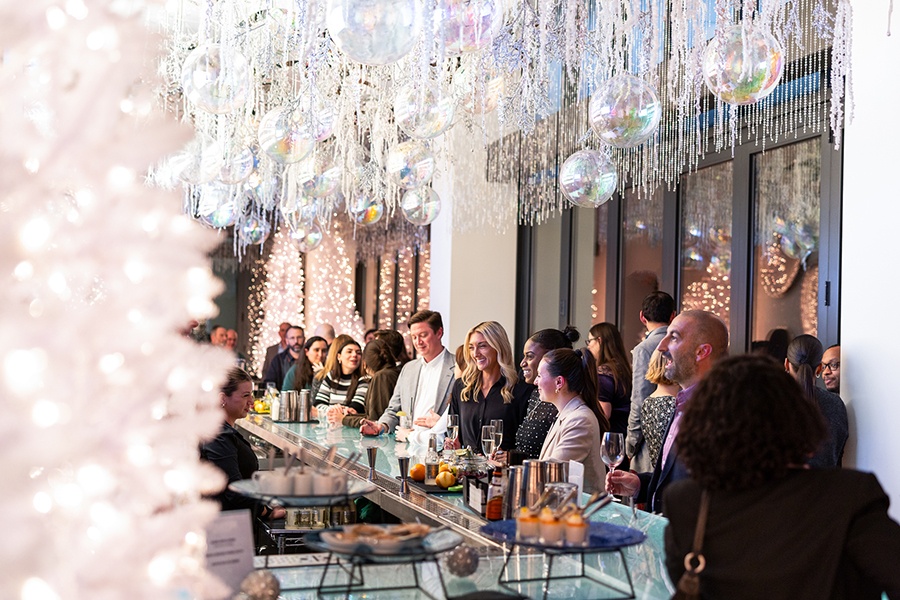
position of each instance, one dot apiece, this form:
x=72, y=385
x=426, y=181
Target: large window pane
x=785, y=244
x=642, y=259
x=706, y=240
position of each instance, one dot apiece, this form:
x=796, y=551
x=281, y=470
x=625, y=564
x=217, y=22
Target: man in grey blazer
x=423, y=388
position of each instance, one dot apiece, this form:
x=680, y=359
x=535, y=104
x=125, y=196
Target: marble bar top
x=646, y=561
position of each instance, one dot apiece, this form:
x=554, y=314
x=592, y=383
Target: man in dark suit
x=694, y=341
x=275, y=349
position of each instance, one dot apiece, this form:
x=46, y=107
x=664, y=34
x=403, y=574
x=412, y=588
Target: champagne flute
x=487, y=440
x=497, y=424
x=452, y=427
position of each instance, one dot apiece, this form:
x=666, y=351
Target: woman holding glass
x=566, y=378
x=489, y=389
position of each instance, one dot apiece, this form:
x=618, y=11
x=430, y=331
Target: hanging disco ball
x=318, y=176
x=215, y=80
x=421, y=206
x=744, y=66
x=307, y=238
x=374, y=32
x=410, y=164
x=625, y=111
x=423, y=113
x=253, y=231
x=366, y=210
x=469, y=25
x=284, y=134
x=216, y=205
x=588, y=178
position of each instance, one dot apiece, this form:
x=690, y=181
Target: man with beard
x=694, y=341
x=831, y=369
x=294, y=338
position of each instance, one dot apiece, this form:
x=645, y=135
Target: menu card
x=229, y=547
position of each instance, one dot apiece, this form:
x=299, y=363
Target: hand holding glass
x=612, y=450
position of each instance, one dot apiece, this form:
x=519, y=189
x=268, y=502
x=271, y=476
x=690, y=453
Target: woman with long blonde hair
x=489, y=387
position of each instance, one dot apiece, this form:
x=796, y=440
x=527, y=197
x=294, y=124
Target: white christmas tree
x=282, y=295
x=330, y=285
x=105, y=402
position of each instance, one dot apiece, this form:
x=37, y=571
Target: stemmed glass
x=612, y=450
x=488, y=442
x=452, y=435
x=497, y=424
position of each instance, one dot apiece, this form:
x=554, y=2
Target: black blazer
x=816, y=534
x=235, y=457
x=653, y=484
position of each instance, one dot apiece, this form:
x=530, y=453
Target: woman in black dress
x=230, y=452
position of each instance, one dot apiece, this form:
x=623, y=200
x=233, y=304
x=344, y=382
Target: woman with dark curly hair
x=775, y=529
x=613, y=374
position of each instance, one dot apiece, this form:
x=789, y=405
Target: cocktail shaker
x=288, y=405
x=515, y=492
x=533, y=475
x=303, y=404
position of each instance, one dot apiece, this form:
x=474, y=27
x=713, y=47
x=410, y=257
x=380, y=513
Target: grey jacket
x=404, y=396
x=640, y=389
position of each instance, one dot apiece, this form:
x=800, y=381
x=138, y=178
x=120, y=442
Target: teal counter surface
x=645, y=561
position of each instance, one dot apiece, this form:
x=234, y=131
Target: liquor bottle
x=432, y=461
x=494, y=508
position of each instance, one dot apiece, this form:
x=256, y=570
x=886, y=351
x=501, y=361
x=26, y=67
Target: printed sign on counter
x=229, y=547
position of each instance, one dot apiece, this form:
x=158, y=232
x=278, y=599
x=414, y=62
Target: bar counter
x=645, y=562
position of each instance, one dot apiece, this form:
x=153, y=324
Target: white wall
x=871, y=282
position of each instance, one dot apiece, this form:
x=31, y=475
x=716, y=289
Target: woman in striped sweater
x=343, y=386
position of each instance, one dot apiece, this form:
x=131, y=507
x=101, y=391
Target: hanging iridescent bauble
x=588, y=178
x=374, y=32
x=285, y=136
x=478, y=95
x=421, y=206
x=423, y=113
x=319, y=115
x=469, y=25
x=625, y=111
x=366, y=210
x=215, y=80
x=216, y=205
x=745, y=66
x=693, y=259
x=410, y=164
x=238, y=166
x=318, y=176
x=253, y=231
x=199, y=162
x=307, y=237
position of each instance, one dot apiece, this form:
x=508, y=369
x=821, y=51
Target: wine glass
x=497, y=424
x=612, y=451
x=487, y=440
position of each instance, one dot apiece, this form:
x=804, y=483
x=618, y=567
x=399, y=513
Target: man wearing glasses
x=831, y=369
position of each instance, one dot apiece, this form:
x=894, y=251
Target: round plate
x=250, y=488
x=439, y=540
x=602, y=536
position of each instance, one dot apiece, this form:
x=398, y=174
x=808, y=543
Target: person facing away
x=276, y=349
x=804, y=363
x=613, y=374
x=423, y=388
x=694, y=341
x=831, y=369
x=775, y=529
x=281, y=364
x=567, y=379
x=325, y=330
x=657, y=311
x=489, y=388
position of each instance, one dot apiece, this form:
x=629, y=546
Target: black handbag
x=694, y=562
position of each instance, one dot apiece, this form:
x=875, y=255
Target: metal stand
x=353, y=568
x=507, y=582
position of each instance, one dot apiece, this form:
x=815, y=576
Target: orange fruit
x=444, y=467
x=417, y=473
x=445, y=479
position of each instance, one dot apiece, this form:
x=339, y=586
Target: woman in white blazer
x=567, y=379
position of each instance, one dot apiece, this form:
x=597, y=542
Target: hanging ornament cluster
x=331, y=106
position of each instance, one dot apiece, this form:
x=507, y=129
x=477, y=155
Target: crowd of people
x=762, y=438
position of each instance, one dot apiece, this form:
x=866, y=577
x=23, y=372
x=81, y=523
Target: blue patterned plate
x=602, y=536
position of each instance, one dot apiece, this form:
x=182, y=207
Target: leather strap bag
x=694, y=561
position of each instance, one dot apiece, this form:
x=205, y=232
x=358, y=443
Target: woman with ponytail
x=804, y=363
x=567, y=379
